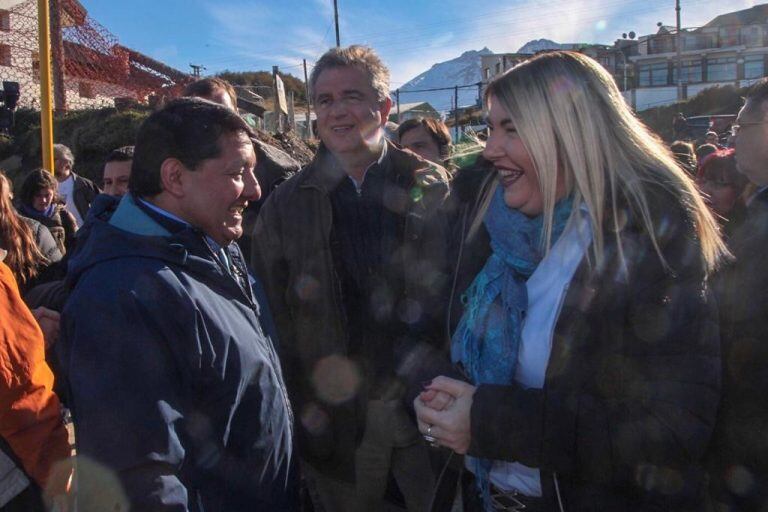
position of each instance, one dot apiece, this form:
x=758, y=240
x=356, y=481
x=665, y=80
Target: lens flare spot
x=336, y=379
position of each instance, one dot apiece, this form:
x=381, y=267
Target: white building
x=729, y=50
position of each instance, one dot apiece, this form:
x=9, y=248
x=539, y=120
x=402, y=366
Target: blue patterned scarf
x=30, y=212
x=488, y=336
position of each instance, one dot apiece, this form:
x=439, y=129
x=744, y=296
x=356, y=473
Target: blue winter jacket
x=175, y=386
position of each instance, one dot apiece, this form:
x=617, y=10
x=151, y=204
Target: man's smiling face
x=350, y=114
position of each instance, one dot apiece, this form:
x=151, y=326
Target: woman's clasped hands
x=443, y=413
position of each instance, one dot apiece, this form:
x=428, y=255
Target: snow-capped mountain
x=539, y=45
x=463, y=70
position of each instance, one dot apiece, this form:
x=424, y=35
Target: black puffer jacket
x=633, y=380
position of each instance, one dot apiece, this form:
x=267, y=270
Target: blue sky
x=410, y=35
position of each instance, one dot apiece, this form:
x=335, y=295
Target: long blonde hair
x=572, y=118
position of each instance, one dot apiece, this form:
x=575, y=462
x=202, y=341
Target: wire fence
x=90, y=68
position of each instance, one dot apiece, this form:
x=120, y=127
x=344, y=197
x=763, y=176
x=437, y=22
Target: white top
x=547, y=288
x=66, y=189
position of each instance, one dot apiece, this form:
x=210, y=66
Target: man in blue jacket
x=176, y=390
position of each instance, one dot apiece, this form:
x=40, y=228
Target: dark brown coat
x=292, y=255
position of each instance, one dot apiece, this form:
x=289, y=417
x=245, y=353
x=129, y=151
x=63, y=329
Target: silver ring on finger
x=429, y=438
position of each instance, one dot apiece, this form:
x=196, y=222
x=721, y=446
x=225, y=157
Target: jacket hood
x=117, y=228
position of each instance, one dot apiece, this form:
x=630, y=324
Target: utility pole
x=456, y=111
x=196, y=68
x=291, y=113
x=678, y=44
x=309, y=103
x=46, y=110
x=59, y=60
x=278, y=103
x=336, y=18
x=397, y=98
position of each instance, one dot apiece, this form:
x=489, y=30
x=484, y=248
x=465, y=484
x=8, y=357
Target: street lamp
x=624, y=66
x=624, y=56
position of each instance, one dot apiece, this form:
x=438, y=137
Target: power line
x=387, y=36
x=408, y=44
x=394, y=45
x=451, y=88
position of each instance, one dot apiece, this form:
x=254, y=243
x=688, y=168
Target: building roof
x=420, y=105
x=754, y=15
x=122, y=66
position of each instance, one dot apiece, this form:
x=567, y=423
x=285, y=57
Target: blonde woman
x=579, y=312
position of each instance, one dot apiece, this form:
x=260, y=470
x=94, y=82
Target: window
x=754, y=66
x=729, y=36
x=653, y=74
x=663, y=43
x=722, y=69
x=699, y=41
x=498, y=68
x=709, y=40
x=691, y=72
x=690, y=42
x=5, y=55
x=487, y=73
x=752, y=36
x=5, y=20
x=85, y=90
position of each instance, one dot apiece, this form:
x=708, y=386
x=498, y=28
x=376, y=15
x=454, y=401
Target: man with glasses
x=739, y=456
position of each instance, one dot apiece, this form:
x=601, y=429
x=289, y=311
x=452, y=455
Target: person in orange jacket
x=32, y=432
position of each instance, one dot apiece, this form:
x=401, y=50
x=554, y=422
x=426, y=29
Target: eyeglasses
x=736, y=127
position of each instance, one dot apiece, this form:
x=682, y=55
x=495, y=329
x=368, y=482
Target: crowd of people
x=574, y=321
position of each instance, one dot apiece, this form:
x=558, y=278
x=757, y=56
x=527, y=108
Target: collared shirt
x=174, y=224
x=378, y=161
x=547, y=288
x=67, y=191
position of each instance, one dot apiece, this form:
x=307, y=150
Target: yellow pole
x=46, y=111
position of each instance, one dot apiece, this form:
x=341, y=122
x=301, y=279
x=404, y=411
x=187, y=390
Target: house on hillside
x=729, y=50
x=411, y=110
x=497, y=63
x=90, y=68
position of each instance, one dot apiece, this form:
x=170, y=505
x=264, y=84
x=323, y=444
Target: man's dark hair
x=685, y=155
x=704, y=151
x=187, y=129
x=34, y=182
x=757, y=93
x=205, y=87
x=434, y=127
x=123, y=154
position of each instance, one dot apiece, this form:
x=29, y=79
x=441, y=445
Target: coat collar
x=325, y=173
